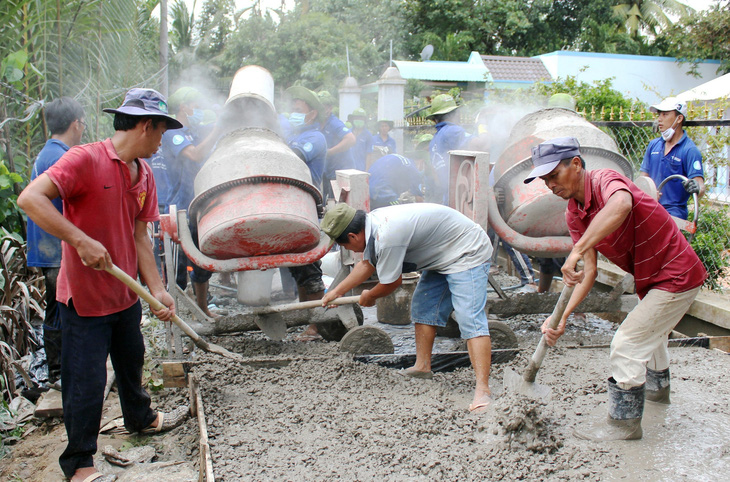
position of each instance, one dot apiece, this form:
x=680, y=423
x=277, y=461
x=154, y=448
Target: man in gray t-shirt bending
x=453, y=253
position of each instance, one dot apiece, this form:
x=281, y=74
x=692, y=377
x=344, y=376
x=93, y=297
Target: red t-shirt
x=648, y=244
x=98, y=198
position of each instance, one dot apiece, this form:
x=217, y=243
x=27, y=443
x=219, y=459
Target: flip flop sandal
x=168, y=421
x=480, y=407
x=99, y=477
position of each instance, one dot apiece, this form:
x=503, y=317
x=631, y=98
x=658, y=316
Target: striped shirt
x=648, y=243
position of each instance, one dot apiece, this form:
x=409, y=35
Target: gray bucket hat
x=146, y=102
x=547, y=155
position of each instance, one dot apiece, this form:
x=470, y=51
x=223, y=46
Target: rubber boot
x=657, y=386
x=52, y=344
x=625, y=409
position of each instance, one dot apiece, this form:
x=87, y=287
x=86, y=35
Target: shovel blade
x=514, y=382
x=273, y=325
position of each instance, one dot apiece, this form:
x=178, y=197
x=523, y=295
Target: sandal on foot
x=168, y=421
x=480, y=407
x=99, y=477
x=415, y=374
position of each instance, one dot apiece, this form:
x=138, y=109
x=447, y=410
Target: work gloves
x=691, y=186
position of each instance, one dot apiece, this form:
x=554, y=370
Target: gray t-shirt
x=422, y=236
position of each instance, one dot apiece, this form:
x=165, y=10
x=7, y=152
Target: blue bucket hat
x=146, y=102
x=546, y=156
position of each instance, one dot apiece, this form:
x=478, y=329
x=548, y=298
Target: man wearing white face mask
x=674, y=153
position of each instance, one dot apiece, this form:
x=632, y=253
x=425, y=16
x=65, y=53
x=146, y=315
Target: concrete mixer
x=530, y=217
x=255, y=209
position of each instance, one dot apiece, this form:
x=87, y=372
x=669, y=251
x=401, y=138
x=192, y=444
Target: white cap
x=669, y=104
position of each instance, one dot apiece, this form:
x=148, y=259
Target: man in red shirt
x=109, y=196
x=609, y=214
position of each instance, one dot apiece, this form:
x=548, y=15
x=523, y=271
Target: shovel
x=274, y=326
x=525, y=384
x=155, y=303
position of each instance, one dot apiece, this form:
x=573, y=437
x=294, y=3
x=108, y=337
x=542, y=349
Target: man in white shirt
x=453, y=254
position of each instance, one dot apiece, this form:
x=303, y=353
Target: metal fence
x=712, y=240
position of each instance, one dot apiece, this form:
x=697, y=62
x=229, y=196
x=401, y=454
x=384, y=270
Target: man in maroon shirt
x=609, y=214
x=109, y=196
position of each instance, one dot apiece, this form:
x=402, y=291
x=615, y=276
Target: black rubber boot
x=52, y=345
x=657, y=385
x=625, y=409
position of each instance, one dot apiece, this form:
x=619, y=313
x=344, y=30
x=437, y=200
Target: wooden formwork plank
x=206, y=461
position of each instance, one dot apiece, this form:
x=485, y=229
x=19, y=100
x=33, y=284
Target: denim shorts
x=464, y=293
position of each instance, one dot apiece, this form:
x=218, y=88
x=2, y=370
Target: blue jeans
x=464, y=293
x=87, y=341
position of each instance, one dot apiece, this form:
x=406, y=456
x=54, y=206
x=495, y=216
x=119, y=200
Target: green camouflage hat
x=337, y=219
x=359, y=112
x=422, y=141
x=183, y=95
x=442, y=104
x=564, y=101
x=326, y=98
x=309, y=97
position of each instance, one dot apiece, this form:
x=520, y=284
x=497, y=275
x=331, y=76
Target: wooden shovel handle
x=153, y=302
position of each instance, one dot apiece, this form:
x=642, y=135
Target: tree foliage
x=700, y=36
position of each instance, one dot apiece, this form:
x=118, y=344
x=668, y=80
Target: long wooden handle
x=345, y=300
x=555, y=317
x=153, y=302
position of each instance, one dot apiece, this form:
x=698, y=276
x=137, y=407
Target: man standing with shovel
x=109, y=196
x=609, y=214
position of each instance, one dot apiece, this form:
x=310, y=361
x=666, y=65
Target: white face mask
x=669, y=133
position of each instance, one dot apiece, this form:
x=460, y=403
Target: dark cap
x=146, y=102
x=546, y=156
x=337, y=219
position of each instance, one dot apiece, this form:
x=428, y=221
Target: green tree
x=308, y=48
x=649, y=15
x=700, y=36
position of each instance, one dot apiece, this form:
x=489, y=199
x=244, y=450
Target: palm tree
x=650, y=15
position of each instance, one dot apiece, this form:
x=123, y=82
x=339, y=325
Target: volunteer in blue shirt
x=311, y=146
x=674, y=153
x=65, y=120
x=394, y=179
x=363, y=139
x=339, y=141
x=184, y=151
x=449, y=136
x=383, y=144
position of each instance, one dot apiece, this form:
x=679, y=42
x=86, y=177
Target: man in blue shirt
x=311, y=146
x=65, y=120
x=183, y=152
x=363, y=139
x=674, y=153
x=383, y=144
x=449, y=136
x=339, y=141
x=391, y=177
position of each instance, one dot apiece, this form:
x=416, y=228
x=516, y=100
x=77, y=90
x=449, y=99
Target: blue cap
x=146, y=102
x=546, y=156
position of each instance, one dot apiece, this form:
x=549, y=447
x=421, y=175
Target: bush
x=712, y=244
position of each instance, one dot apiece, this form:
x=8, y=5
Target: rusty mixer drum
x=531, y=209
x=255, y=197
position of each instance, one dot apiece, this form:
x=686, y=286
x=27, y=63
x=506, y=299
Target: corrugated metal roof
x=472, y=70
x=516, y=68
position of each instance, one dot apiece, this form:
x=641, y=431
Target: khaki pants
x=641, y=339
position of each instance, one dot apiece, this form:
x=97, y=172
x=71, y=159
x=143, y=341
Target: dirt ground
x=325, y=416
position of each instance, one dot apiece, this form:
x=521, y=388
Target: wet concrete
x=324, y=416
